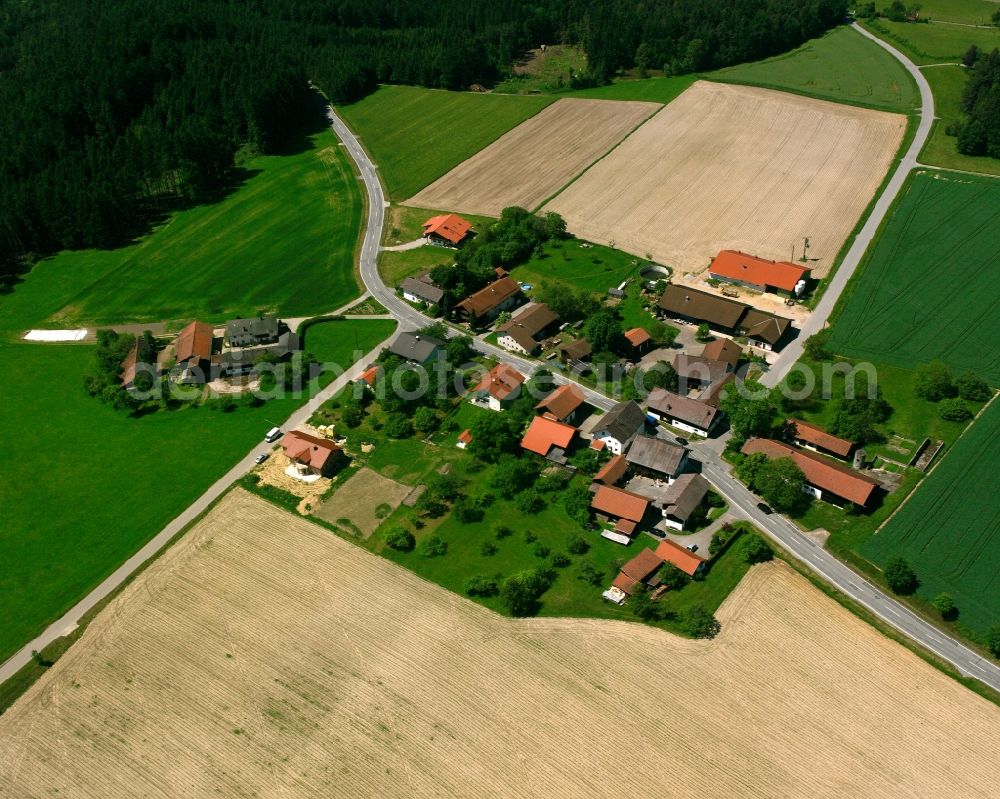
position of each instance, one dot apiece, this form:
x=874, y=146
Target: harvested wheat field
x=263, y=656
x=533, y=161
x=735, y=167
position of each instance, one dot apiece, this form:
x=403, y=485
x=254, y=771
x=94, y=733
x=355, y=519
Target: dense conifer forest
x=112, y=113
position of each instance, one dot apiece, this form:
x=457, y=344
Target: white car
x=273, y=435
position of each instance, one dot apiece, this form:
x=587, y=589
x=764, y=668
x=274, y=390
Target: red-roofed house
x=613, y=471
x=562, y=404
x=686, y=561
x=498, y=388
x=484, y=306
x=448, y=230
x=777, y=277
x=643, y=569
x=548, y=438
x=311, y=455
x=368, y=376
x=193, y=352
x=825, y=480
x=616, y=504
x=809, y=436
x=638, y=341
x=464, y=439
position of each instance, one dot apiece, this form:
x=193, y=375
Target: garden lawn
x=415, y=135
x=949, y=531
x=947, y=83
x=842, y=65
x=343, y=341
x=593, y=268
x=283, y=241
x=928, y=287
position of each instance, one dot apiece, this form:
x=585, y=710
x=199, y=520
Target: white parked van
x=273, y=435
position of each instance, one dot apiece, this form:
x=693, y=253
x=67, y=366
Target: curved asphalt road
x=781, y=530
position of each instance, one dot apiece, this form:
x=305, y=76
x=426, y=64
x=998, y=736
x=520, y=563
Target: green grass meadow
x=842, y=65
x=949, y=531
x=928, y=287
x=653, y=89
x=231, y=257
x=415, y=135
x=935, y=42
x=947, y=84
x=592, y=267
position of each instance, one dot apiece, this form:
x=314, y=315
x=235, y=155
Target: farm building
x=484, y=306
x=576, y=354
x=657, y=458
x=725, y=316
x=563, y=404
x=612, y=472
x=723, y=349
x=240, y=360
x=415, y=347
x=627, y=510
x=498, y=388
x=638, y=342
x=760, y=274
x=643, y=569
x=548, y=438
x=765, y=330
x=464, y=439
x=686, y=561
x=447, y=230
x=825, y=480
x=525, y=332
x=809, y=436
x=684, y=413
x=681, y=499
x=421, y=289
x=310, y=456
x=694, y=371
x=619, y=426
x=141, y=359
x=193, y=352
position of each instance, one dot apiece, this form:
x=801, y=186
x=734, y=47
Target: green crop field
x=416, y=135
x=842, y=65
x=283, y=241
x=928, y=287
x=949, y=531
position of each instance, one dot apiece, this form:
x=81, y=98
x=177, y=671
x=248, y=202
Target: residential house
x=252, y=332
x=421, y=289
x=193, y=352
x=563, y=404
x=311, y=455
x=681, y=499
x=525, y=332
x=809, y=436
x=684, y=413
x=686, y=561
x=643, y=569
x=416, y=347
x=695, y=372
x=240, y=360
x=825, y=479
x=498, y=388
x=637, y=342
x=446, y=230
x=619, y=426
x=549, y=438
x=712, y=394
x=725, y=350
x=141, y=359
x=612, y=472
x=657, y=458
x=369, y=376
x=627, y=510
x=765, y=330
x=760, y=274
x=486, y=304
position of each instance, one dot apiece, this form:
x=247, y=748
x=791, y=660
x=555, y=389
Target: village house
x=725, y=350
x=310, y=457
x=711, y=395
x=563, y=404
x=486, y=304
x=525, y=332
x=684, y=413
x=446, y=230
x=643, y=569
x=369, y=376
x=498, y=388
x=421, y=289
x=627, y=510
x=760, y=274
x=696, y=372
x=727, y=316
x=278, y=343
x=252, y=332
x=416, y=347
x=612, y=472
x=193, y=351
x=576, y=354
x=765, y=330
x=683, y=559
x=809, y=436
x=825, y=479
x=549, y=438
x=619, y=426
x=657, y=458
x=681, y=499
x=637, y=343
x=464, y=439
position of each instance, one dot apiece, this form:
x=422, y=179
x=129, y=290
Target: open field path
x=817, y=320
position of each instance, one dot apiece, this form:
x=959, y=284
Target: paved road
x=817, y=319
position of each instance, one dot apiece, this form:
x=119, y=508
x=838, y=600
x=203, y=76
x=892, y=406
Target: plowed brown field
x=263, y=656
x=537, y=158
x=735, y=167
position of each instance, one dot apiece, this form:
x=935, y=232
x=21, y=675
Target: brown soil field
x=359, y=498
x=264, y=656
x=537, y=158
x=736, y=167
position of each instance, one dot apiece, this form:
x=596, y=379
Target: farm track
x=264, y=656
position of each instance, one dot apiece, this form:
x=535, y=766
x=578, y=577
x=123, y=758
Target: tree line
x=116, y=113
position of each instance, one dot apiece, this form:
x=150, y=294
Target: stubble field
x=264, y=656
x=537, y=158
x=736, y=167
